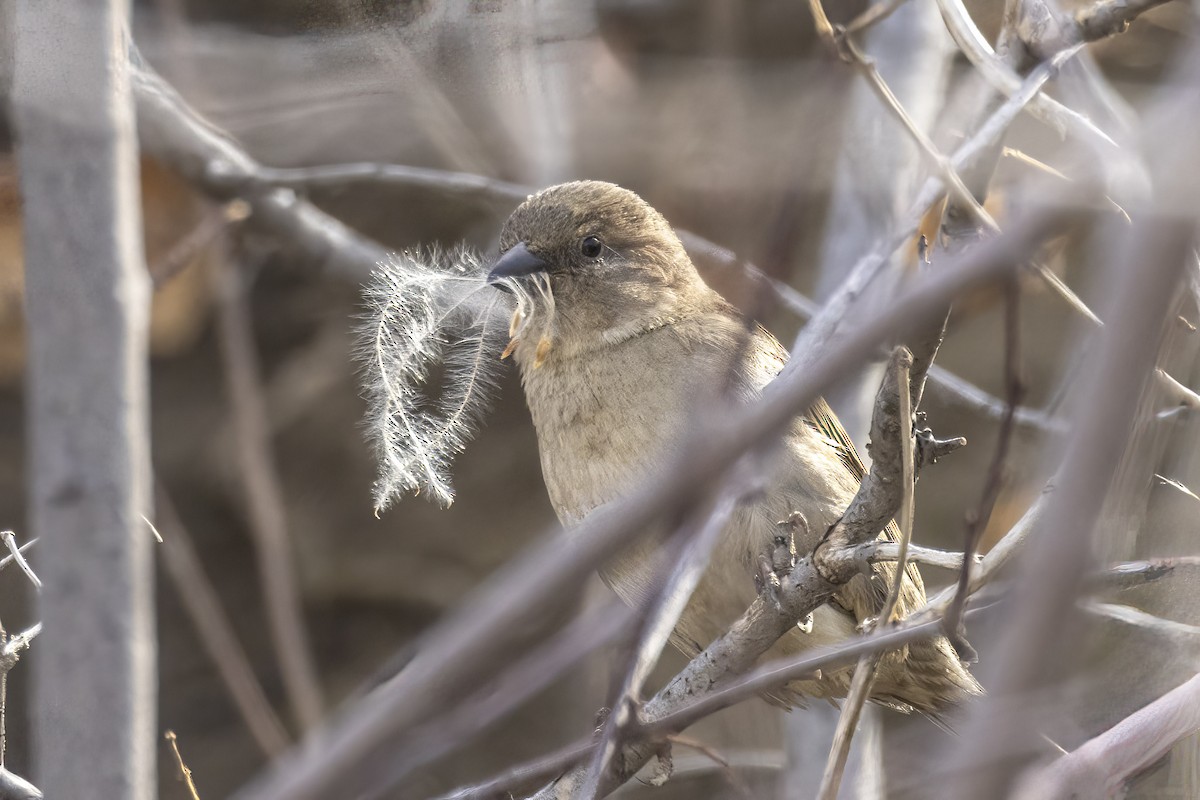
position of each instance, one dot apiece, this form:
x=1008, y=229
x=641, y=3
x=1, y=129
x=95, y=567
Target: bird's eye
x=591, y=246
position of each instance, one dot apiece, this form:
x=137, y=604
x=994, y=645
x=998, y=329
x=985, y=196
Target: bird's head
x=591, y=264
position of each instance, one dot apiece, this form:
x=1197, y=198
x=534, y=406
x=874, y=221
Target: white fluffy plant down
x=431, y=309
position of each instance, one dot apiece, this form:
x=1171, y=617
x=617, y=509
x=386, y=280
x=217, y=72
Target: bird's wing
x=821, y=418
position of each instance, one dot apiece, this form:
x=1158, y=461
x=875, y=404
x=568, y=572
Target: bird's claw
x=780, y=560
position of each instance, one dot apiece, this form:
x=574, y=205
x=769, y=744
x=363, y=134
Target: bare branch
x=820, y=332
x=463, y=184
x=14, y=645
x=536, y=769
x=1100, y=20
x=532, y=673
x=1101, y=766
x=264, y=501
x=10, y=541
x=1003, y=79
x=994, y=482
x=656, y=631
x=890, y=551
x=10, y=558
x=845, y=48
x=204, y=233
x=184, y=772
x=952, y=388
x=14, y=787
x=1139, y=573
x=174, y=133
x=1177, y=632
x=876, y=12
x=1052, y=571
x=216, y=632
x=865, y=670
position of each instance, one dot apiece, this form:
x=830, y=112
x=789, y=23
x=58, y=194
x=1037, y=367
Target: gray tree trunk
x=86, y=305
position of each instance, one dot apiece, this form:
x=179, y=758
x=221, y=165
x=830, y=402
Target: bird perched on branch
x=618, y=339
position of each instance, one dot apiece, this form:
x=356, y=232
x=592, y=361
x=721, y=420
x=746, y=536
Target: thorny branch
x=868, y=665
x=1052, y=570
x=845, y=48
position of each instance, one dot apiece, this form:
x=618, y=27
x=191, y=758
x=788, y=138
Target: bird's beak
x=516, y=263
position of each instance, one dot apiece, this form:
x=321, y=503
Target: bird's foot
x=780, y=558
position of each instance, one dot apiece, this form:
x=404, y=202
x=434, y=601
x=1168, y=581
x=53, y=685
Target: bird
x=618, y=339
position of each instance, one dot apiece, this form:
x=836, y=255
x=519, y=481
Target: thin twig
x=1178, y=632
x=865, y=670
x=217, y=636
x=876, y=12
x=540, y=768
x=184, y=772
x=1132, y=574
x=908, y=498
x=953, y=389
x=779, y=672
x=492, y=190
x=264, y=501
x=177, y=135
x=1052, y=570
x=883, y=551
x=10, y=558
x=996, y=475
x=211, y=225
x=1099, y=20
x=1004, y=80
x=847, y=50
x=820, y=332
x=716, y=757
x=14, y=552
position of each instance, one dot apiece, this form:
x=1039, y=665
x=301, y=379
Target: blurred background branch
x=287, y=151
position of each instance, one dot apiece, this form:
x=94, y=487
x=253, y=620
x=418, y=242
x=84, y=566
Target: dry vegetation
x=1009, y=189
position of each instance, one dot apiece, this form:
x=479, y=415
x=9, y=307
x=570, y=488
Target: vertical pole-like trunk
x=86, y=305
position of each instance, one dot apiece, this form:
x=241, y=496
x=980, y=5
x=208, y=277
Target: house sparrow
x=618, y=339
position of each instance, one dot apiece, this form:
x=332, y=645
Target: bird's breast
x=606, y=420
